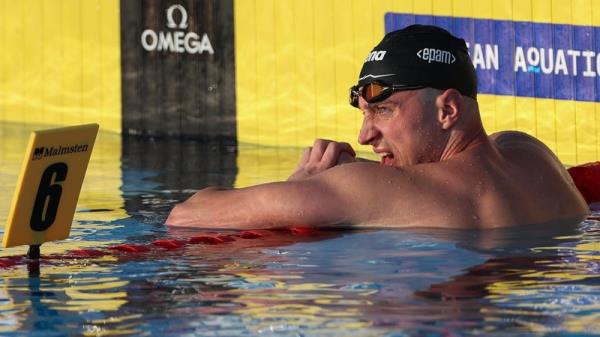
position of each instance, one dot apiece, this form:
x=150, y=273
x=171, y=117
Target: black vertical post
x=168, y=89
x=34, y=252
x=33, y=263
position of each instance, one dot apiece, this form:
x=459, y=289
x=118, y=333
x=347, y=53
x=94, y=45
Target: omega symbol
x=184, y=17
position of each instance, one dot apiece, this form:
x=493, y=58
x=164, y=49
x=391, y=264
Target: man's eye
x=383, y=109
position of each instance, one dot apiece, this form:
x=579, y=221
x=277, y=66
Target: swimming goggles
x=377, y=91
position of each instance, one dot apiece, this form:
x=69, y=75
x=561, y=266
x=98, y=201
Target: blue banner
x=524, y=58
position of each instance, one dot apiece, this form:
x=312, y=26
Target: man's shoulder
x=521, y=142
x=370, y=179
x=513, y=137
x=379, y=195
x=358, y=171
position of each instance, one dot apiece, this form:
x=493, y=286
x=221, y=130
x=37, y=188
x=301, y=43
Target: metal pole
x=34, y=252
x=33, y=263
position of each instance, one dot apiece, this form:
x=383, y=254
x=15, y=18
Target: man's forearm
x=201, y=210
x=282, y=204
x=231, y=208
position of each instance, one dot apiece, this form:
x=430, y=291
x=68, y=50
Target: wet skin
x=438, y=168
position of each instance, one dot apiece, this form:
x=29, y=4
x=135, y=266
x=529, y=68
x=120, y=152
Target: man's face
x=403, y=129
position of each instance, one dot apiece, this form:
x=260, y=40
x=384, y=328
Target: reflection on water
x=509, y=282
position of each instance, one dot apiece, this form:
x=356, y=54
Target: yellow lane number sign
x=46, y=196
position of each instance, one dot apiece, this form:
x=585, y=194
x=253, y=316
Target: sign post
x=48, y=187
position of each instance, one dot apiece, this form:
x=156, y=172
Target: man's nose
x=368, y=132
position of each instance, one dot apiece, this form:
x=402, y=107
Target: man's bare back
x=438, y=167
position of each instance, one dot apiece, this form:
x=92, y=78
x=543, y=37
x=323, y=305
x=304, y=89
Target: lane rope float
x=156, y=246
x=587, y=179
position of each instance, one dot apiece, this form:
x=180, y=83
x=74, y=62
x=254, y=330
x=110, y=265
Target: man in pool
x=417, y=91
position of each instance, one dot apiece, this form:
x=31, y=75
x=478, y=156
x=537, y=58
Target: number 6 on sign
x=48, y=187
x=48, y=196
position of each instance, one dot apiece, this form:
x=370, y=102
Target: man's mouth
x=387, y=158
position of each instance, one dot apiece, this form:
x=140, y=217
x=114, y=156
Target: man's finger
x=318, y=149
x=331, y=156
x=345, y=157
x=305, y=156
x=347, y=148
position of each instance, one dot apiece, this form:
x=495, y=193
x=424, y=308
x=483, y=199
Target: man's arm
x=320, y=192
x=325, y=199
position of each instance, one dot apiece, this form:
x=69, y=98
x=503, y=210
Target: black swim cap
x=421, y=55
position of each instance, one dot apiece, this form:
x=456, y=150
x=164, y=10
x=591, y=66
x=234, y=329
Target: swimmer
x=417, y=91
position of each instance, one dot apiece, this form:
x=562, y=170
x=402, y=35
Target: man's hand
x=323, y=155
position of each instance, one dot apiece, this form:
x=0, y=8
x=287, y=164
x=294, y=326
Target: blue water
x=529, y=281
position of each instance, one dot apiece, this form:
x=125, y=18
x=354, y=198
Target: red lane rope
x=154, y=246
x=587, y=179
x=209, y=240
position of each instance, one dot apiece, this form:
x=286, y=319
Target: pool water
x=528, y=281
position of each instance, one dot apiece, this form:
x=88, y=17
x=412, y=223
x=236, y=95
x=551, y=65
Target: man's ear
x=449, y=106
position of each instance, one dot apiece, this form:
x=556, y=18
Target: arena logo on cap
x=376, y=55
x=436, y=55
x=516, y=58
x=176, y=41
